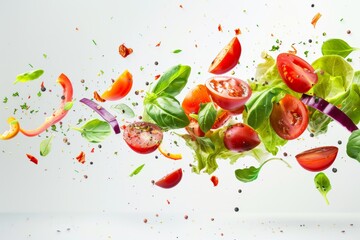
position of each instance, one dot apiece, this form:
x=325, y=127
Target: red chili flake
x=157, y=77
x=181, y=6
x=32, y=158
x=77, y=29
x=29, y=97
x=294, y=51
x=168, y=202
x=237, y=31
x=220, y=28
x=315, y=19
x=124, y=51
x=186, y=217
x=92, y=150
x=214, y=180
x=81, y=157
x=158, y=44
x=98, y=98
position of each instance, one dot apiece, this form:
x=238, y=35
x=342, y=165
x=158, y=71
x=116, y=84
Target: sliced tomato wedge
x=193, y=99
x=120, y=88
x=143, y=137
x=317, y=159
x=298, y=75
x=227, y=58
x=289, y=117
x=170, y=180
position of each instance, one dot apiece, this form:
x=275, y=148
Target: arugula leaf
x=323, y=184
x=124, y=110
x=353, y=145
x=29, y=76
x=45, y=146
x=206, y=116
x=137, y=170
x=337, y=46
x=250, y=174
x=172, y=81
x=167, y=112
x=95, y=130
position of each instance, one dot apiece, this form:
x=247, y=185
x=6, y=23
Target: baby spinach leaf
x=95, y=130
x=206, y=116
x=172, y=81
x=166, y=112
x=29, y=76
x=251, y=173
x=322, y=184
x=45, y=146
x=353, y=145
x=124, y=110
x=337, y=46
x=137, y=170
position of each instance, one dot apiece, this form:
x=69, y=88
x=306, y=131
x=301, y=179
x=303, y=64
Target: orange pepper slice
x=13, y=131
x=173, y=156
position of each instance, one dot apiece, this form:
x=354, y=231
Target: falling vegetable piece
x=32, y=158
x=45, y=146
x=330, y=110
x=95, y=130
x=323, y=184
x=81, y=157
x=124, y=110
x=315, y=19
x=103, y=113
x=58, y=114
x=98, y=98
x=137, y=170
x=353, y=145
x=13, y=131
x=170, y=180
x=173, y=156
x=337, y=46
x=317, y=159
x=29, y=76
x=124, y=51
x=214, y=180
x=120, y=88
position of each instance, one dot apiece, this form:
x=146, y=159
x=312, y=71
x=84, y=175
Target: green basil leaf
x=29, y=76
x=322, y=184
x=124, y=110
x=68, y=105
x=172, y=81
x=337, y=47
x=45, y=146
x=177, y=51
x=167, y=112
x=250, y=174
x=137, y=170
x=206, y=116
x=95, y=130
x=353, y=145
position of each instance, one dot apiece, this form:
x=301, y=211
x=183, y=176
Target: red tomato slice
x=240, y=138
x=298, y=75
x=229, y=93
x=289, y=117
x=214, y=179
x=120, y=88
x=170, y=180
x=317, y=159
x=143, y=137
x=227, y=58
x=193, y=99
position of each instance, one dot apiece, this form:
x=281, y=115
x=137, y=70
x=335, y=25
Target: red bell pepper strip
x=59, y=113
x=13, y=131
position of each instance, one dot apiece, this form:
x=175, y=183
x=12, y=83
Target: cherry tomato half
x=120, y=88
x=317, y=159
x=227, y=58
x=143, y=137
x=170, y=180
x=298, y=75
x=289, y=117
x=193, y=99
x=229, y=93
x=240, y=138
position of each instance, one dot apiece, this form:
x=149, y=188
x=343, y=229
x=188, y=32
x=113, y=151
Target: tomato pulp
x=229, y=93
x=298, y=75
x=289, y=117
x=317, y=159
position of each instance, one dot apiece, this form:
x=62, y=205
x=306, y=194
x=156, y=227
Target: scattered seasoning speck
x=339, y=142
x=94, y=42
x=312, y=135
x=145, y=220
x=348, y=32
x=236, y=209
x=137, y=92
x=82, y=80
x=156, y=63
x=152, y=182
x=186, y=217
x=99, y=146
x=239, y=191
x=285, y=154
x=312, y=5
x=334, y=170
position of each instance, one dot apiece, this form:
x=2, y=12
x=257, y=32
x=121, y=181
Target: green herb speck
x=5, y=100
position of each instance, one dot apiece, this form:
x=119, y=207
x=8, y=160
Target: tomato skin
x=193, y=99
x=143, y=137
x=170, y=180
x=229, y=93
x=194, y=129
x=120, y=88
x=227, y=58
x=298, y=75
x=317, y=159
x=221, y=119
x=289, y=117
x=215, y=180
x=240, y=138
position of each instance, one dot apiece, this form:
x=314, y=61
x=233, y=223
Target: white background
x=57, y=189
